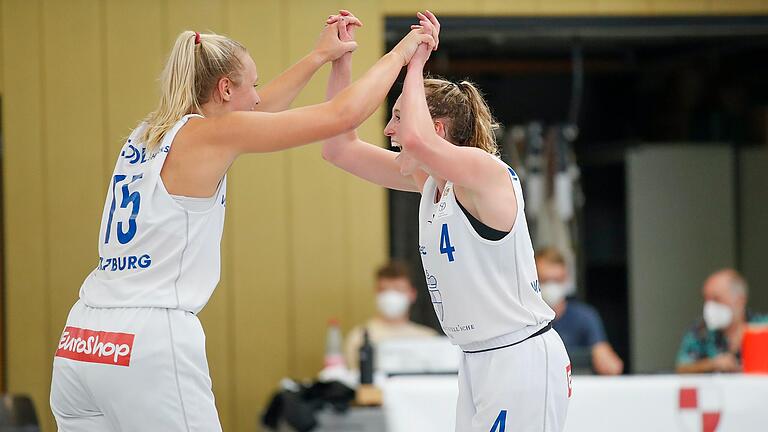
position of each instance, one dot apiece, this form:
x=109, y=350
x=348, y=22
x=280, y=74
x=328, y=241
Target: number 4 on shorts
x=501, y=422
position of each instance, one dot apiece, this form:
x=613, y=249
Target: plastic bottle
x=333, y=355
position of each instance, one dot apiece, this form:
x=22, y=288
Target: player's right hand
x=406, y=48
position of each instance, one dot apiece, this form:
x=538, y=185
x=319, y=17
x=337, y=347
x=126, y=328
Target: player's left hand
x=428, y=24
x=330, y=46
x=351, y=23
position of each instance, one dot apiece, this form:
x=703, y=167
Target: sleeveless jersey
x=152, y=251
x=480, y=289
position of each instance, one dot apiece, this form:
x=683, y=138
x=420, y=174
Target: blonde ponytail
x=194, y=67
x=469, y=120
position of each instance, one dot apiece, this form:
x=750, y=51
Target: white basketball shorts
x=132, y=369
x=520, y=388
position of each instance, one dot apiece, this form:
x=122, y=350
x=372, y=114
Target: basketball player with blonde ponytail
x=474, y=244
x=132, y=353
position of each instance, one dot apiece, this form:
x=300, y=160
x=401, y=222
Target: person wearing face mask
x=713, y=343
x=578, y=324
x=394, y=296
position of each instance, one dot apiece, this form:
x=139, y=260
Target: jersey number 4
x=128, y=198
x=445, y=243
x=501, y=422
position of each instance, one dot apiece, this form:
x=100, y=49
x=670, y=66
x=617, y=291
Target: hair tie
x=197, y=38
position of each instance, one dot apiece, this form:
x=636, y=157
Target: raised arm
x=469, y=167
x=484, y=185
x=347, y=151
x=281, y=91
x=252, y=132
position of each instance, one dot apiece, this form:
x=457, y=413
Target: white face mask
x=393, y=304
x=717, y=316
x=553, y=293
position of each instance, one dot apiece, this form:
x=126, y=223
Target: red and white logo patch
x=96, y=346
x=570, y=379
x=700, y=407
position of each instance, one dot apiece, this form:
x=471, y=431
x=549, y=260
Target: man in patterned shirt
x=713, y=343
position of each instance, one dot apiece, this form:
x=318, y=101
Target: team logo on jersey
x=133, y=154
x=700, y=407
x=443, y=209
x=569, y=378
x=434, y=294
x=93, y=346
x=513, y=174
x=536, y=287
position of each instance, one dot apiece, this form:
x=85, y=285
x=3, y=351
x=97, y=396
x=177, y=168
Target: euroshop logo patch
x=96, y=346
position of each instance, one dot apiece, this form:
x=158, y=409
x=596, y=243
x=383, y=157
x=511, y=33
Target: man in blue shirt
x=713, y=343
x=578, y=324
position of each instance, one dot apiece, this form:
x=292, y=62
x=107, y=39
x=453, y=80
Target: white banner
x=669, y=403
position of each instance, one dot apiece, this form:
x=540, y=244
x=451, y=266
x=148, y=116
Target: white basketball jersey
x=481, y=289
x=152, y=251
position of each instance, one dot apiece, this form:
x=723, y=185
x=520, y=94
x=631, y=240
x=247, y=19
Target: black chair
x=17, y=414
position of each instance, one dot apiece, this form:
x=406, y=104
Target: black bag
x=298, y=408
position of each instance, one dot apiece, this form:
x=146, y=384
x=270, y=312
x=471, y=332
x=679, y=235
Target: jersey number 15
x=128, y=198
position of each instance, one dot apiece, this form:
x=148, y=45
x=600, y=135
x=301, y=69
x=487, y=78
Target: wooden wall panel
x=738, y=7
x=73, y=138
x=28, y=343
x=259, y=219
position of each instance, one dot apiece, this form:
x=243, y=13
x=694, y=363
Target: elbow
x=415, y=142
x=410, y=138
x=330, y=152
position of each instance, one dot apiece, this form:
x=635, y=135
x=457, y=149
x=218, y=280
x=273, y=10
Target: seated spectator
x=713, y=343
x=578, y=324
x=394, y=296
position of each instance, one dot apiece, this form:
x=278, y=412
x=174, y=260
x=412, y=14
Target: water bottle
x=333, y=355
